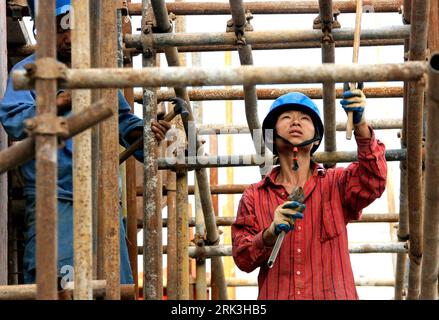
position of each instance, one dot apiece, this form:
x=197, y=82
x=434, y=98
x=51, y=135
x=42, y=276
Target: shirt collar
x=317, y=170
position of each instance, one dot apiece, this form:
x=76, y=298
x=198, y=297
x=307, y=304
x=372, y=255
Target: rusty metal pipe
x=357, y=248
x=168, y=163
x=237, y=282
x=430, y=259
x=152, y=235
x=82, y=174
x=268, y=7
x=23, y=151
x=328, y=56
x=163, y=24
x=165, y=40
x=109, y=144
x=24, y=51
x=46, y=164
x=366, y=218
x=267, y=93
x=214, y=129
x=182, y=237
x=250, y=96
x=28, y=291
x=179, y=76
x=407, y=11
x=418, y=45
x=403, y=227
x=131, y=181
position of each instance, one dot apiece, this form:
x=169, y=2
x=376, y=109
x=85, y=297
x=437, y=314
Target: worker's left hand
x=354, y=101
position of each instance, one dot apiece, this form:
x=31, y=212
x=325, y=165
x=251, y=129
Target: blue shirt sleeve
x=15, y=107
x=127, y=123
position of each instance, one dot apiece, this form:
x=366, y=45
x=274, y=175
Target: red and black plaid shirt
x=313, y=262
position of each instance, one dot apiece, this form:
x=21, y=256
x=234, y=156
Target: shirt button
x=298, y=292
x=298, y=250
x=299, y=228
x=298, y=273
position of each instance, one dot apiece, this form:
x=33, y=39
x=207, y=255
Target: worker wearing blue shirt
x=18, y=106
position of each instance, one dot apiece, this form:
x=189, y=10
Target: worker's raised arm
x=364, y=181
x=248, y=250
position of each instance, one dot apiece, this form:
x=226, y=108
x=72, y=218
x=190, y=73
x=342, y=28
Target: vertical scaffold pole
x=82, y=170
x=109, y=133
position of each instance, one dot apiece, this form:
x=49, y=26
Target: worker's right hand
x=285, y=217
x=64, y=101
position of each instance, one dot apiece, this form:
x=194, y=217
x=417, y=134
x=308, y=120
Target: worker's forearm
x=362, y=130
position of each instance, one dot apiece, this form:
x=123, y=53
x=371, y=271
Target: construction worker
x=313, y=261
x=18, y=106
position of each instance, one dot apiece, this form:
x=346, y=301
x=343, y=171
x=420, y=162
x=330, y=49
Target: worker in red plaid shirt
x=313, y=261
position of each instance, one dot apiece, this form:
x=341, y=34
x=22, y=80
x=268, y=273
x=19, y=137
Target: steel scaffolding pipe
x=366, y=218
x=328, y=87
x=109, y=144
x=250, y=95
x=270, y=7
x=162, y=41
x=418, y=45
x=237, y=282
x=403, y=227
x=152, y=232
x=29, y=291
x=430, y=258
x=46, y=147
x=24, y=51
x=226, y=250
x=82, y=167
x=24, y=150
x=267, y=93
x=215, y=129
x=247, y=75
x=169, y=163
x=212, y=235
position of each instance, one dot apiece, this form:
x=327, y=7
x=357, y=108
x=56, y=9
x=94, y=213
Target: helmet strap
x=296, y=147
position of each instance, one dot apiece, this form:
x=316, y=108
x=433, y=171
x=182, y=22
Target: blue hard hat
x=293, y=101
x=62, y=7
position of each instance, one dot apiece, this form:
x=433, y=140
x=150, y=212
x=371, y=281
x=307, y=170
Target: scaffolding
x=100, y=67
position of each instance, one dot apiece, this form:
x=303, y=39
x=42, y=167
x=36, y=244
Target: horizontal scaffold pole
x=161, y=40
x=366, y=218
x=213, y=129
x=29, y=291
x=254, y=160
x=268, y=93
x=270, y=7
x=361, y=282
x=228, y=221
x=244, y=75
x=226, y=250
x=24, y=150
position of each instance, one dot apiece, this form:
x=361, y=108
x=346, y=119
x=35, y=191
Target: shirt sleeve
x=127, y=123
x=248, y=249
x=364, y=181
x=15, y=107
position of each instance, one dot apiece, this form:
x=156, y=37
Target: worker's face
x=294, y=126
x=63, y=40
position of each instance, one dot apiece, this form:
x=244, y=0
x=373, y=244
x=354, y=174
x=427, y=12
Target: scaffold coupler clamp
x=46, y=69
x=47, y=124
